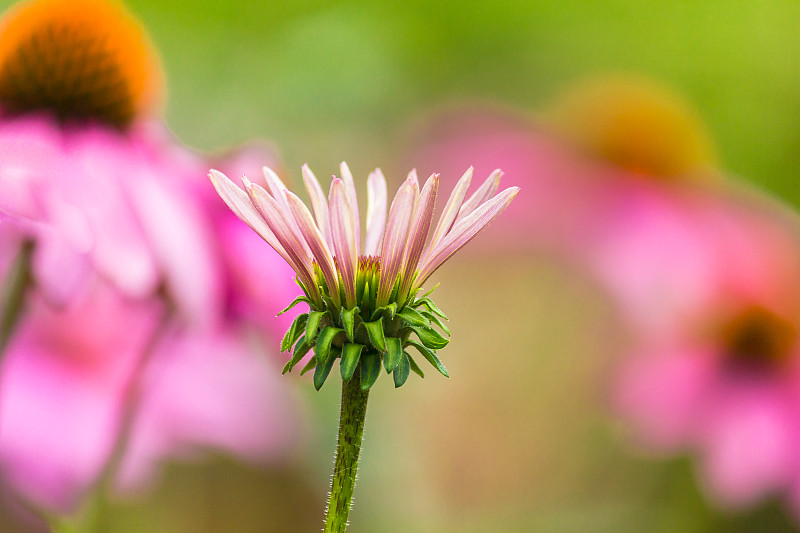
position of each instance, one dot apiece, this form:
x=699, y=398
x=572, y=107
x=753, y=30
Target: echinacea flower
x=724, y=382
x=362, y=294
x=111, y=344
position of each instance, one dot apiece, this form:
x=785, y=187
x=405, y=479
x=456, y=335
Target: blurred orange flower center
x=759, y=338
x=77, y=59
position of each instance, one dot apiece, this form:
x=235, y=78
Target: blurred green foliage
x=337, y=80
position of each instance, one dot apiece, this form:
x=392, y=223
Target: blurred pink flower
x=62, y=389
x=723, y=377
x=125, y=213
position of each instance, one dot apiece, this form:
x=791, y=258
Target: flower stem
x=13, y=293
x=351, y=430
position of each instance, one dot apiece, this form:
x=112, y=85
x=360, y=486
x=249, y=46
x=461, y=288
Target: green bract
x=367, y=336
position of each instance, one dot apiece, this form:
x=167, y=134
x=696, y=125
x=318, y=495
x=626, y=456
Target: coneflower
x=364, y=308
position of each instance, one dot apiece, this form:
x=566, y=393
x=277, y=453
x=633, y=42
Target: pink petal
x=273, y=215
x=395, y=238
x=319, y=203
x=376, y=211
x=451, y=208
x=317, y=244
x=419, y=232
x=350, y=187
x=240, y=203
x=278, y=190
x=484, y=192
x=343, y=235
x=463, y=232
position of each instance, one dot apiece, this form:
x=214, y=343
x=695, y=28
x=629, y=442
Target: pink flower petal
x=273, y=215
x=395, y=238
x=419, y=232
x=463, y=232
x=317, y=244
x=319, y=203
x=350, y=187
x=451, y=209
x=344, y=239
x=484, y=192
x=376, y=211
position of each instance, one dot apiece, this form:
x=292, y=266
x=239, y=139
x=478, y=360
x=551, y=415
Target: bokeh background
x=521, y=437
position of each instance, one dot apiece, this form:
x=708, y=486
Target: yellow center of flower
x=77, y=59
x=758, y=338
x=635, y=125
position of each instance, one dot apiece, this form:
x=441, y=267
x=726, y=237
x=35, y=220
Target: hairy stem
x=351, y=430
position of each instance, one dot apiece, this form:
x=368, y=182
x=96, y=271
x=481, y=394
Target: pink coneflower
x=723, y=379
x=118, y=342
x=362, y=295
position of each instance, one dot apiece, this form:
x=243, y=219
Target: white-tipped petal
x=278, y=191
x=350, y=187
x=395, y=238
x=418, y=233
x=239, y=202
x=451, y=208
x=343, y=235
x=319, y=203
x=272, y=213
x=317, y=244
x=376, y=211
x=463, y=232
x=484, y=192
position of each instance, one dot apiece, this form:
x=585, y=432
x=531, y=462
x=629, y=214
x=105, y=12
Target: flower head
x=363, y=298
x=77, y=59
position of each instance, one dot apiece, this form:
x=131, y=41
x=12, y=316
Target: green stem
x=13, y=293
x=351, y=430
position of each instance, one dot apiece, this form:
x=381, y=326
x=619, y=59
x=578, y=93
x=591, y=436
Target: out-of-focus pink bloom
x=63, y=383
x=132, y=329
x=126, y=209
x=488, y=137
x=725, y=382
x=212, y=390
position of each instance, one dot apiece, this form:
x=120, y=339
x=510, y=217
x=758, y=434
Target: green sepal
x=365, y=297
x=294, y=332
x=375, y=332
x=394, y=353
x=414, y=366
x=324, y=341
x=430, y=337
x=436, y=320
x=350, y=356
x=348, y=317
x=297, y=301
x=311, y=364
x=431, y=357
x=389, y=309
x=312, y=325
x=427, y=302
x=429, y=292
x=300, y=350
x=401, y=371
x=413, y=317
x=324, y=369
x=370, y=369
